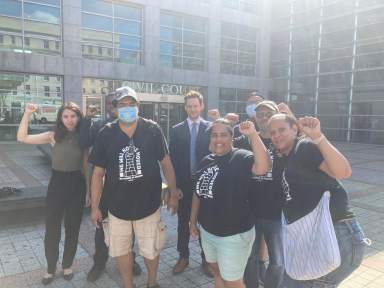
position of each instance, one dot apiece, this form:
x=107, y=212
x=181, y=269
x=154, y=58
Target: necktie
x=193, y=147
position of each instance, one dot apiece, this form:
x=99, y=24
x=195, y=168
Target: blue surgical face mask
x=128, y=114
x=251, y=110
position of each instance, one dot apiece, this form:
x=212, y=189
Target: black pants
x=184, y=213
x=65, y=199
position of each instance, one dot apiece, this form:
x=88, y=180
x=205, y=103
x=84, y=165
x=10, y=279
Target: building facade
x=53, y=51
x=327, y=59
x=322, y=57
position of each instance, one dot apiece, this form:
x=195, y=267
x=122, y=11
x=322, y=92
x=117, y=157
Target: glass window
x=336, y=65
x=303, y=88
x=370, y=61
x=341, y=23
x=97, y=22
x=228, y=56
x=334, y=9
x=370, y=16
x=304, y=68
x=184, y=36
x=332, y=108
x=128, y=12
x=42, y=13
x=97, y=6
x=17, y=89
x=230, y=44
x=170, y=48
x=194, y=37
x=249, y=6
x=128, y=27
x=130, y=57
x=193, y=63
x=305, y=18
x=193, y=51
x=369, y=93
x=370, y=47
x=302, y=108
x=49, y=2
x=238, y=43
x=170, y=34
x=38, y=29
x=171, y=20
x=127, y=42
x=195, y=24
x=335, y=52
x=374, y=31
x=97, y=37
x=10, y=8
x=11, y=25
x=326, y=94
x=337, y=39
x=171, y=61
x=370, y=77
x=305, y=56
x=335, y=80
x=39, y=21
x=334, y=121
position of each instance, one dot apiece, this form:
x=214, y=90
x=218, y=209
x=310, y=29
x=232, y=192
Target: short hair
x=193, y=94
x=286, y=118
x=256, y=93
x=221, y=121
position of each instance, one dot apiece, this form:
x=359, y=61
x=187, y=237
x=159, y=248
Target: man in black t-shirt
x=266, y=203
x=128, y=152
x=88, y=132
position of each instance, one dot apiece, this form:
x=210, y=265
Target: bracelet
x=318, y=140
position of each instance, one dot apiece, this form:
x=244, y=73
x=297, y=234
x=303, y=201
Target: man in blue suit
x=189, y=143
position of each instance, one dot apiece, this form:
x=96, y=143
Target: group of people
x=233, y=186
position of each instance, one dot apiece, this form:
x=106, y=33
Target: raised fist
x=233, y=118
x=310, y=126
x=30, y=108
x=213, y=114
x=247, y=128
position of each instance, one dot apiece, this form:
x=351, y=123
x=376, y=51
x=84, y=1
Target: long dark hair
x=60, y=129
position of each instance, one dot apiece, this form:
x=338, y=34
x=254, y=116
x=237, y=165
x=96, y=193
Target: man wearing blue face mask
x=250, y=108
x=128, y=152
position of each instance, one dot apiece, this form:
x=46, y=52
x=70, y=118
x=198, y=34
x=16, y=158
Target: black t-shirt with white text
x=304, y=183
x=265, y=191
x=133, y=180
x=222, y=187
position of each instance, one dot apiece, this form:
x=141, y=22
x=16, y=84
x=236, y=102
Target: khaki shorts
x=149, y=231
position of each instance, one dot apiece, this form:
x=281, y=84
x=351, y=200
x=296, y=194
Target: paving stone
x=22, y=259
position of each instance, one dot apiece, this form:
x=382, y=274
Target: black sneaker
x=94, y=273
x=136, y=268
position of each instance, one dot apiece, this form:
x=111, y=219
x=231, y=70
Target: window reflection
x=182, y=41
x=105, y=29
x=238, y=49
x=41, y=24
x=17, y=89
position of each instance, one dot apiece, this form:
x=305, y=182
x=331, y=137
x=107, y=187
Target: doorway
x=165, y=114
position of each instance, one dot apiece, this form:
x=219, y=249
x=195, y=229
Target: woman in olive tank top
x=68, y=186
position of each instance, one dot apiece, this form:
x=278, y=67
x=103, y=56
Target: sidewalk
x=22, y=252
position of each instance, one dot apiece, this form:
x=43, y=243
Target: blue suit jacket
x=179, y=147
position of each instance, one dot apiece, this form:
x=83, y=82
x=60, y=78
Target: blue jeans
x=271, y=229
x=352, y=242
